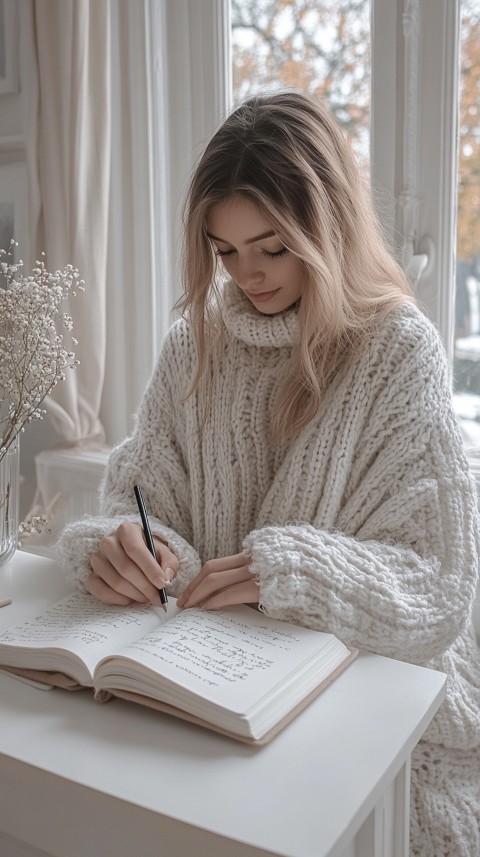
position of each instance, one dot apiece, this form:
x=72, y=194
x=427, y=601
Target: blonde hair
x=285, y=153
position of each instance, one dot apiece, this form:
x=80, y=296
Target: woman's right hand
x=125, y=572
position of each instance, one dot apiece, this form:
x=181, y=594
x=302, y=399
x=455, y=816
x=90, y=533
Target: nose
x=248, y=275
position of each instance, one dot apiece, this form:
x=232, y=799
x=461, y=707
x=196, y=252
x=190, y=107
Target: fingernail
x=169, y=574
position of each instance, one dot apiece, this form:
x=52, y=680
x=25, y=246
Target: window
x=467, y=298
x=322, y=48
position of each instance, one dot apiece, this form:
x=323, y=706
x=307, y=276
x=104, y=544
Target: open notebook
x=236, y=671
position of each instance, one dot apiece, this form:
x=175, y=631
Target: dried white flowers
x=33, y=357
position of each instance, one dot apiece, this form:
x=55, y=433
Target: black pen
x=148, y=536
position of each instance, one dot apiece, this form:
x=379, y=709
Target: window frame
x=415, y=75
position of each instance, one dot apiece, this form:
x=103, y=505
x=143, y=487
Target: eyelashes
x=223, y=252
x=275, y=255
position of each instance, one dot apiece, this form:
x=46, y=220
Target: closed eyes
x=274, y=255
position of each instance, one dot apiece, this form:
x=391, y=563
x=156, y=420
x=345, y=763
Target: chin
x=269, y=311
x=276, y=310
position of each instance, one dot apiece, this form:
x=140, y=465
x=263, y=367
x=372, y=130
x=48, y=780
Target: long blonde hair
x=285, y=153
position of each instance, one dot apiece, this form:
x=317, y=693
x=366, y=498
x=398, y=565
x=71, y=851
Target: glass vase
x=9, y=500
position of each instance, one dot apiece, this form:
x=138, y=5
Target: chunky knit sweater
x=364, y=525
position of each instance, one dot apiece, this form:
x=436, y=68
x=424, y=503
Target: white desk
x=84, y=780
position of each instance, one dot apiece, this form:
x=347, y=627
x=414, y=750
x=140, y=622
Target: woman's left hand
x=221, y=582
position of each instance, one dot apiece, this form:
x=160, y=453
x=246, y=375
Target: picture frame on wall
x=13, y=209
x=8, y=47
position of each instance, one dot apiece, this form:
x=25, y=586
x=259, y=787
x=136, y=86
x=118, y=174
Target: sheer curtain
x=67, y=92
x=65, y=62
x=170, y=89
x=140, y=294
x=87, y=81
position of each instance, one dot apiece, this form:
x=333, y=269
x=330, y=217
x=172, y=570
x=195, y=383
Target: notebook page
x=80, y=624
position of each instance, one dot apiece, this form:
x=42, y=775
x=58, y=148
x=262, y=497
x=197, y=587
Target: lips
x=261, y=297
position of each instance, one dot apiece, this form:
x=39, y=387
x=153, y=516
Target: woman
x=297, y=445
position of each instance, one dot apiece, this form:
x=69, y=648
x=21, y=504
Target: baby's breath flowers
x=35, y=524
x=33, y=356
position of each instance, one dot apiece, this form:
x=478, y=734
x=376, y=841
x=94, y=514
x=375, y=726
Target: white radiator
x=68, y=480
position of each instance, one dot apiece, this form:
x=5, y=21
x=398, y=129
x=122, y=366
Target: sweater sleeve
x=397, y=575
x=152, y=457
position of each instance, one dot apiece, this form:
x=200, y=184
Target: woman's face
x=254, y=256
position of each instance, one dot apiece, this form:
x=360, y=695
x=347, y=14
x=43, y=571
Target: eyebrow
x=268, y=234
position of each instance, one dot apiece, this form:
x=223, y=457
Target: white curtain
x=67, y=96
x=97, y=132
x=121, y=96
x=139, y=293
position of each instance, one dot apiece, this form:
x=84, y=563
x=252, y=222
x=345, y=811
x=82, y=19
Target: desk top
x=309, y=789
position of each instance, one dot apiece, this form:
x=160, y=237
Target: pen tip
x=165, y=608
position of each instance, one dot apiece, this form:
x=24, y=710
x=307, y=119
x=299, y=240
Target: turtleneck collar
x=244, y=322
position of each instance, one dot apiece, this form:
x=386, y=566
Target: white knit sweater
x=365, y=526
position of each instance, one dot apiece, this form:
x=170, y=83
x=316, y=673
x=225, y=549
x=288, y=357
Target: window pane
x=322, y=48
x=467, y=299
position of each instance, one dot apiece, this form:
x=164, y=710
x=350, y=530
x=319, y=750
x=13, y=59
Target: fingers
x=241, y=593
x=131, y=540
x=212, y=567
x=226, y=575
x=97, y=587
x=212, y=584
x=124, y=570
x=130, y=582
x=167, y=560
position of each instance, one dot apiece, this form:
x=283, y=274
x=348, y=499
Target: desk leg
x=385, y=833
x=401, y=841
